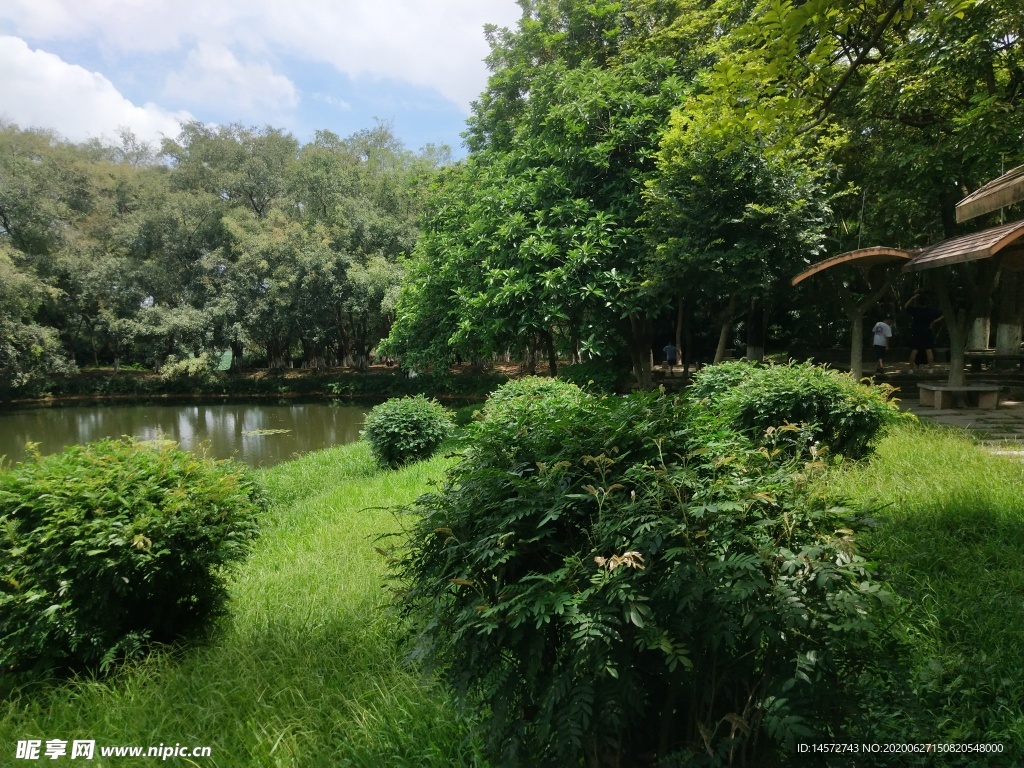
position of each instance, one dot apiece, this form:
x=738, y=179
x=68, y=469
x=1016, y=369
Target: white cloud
x=39, y=89
x=213, y=76
x=427, y=43
x=332, y=101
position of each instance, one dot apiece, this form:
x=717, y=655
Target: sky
x=87, y=68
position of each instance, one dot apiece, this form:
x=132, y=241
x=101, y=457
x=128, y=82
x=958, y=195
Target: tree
x=29, y=352
x=732, y=225
x=550, y=242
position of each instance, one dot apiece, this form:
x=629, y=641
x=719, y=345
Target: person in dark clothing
x=923, y=320
x=671, y=353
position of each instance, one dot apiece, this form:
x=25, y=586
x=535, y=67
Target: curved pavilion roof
x=863, y=257
x=1007, y=239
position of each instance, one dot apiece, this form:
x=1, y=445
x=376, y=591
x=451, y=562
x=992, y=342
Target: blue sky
x=86, y=68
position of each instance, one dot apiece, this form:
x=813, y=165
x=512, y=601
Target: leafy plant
x=201, y=367
x=604, y=376
x=110, y=545
x=604, y=581
x=406, y=429
x=841, y=413
x=714, y=381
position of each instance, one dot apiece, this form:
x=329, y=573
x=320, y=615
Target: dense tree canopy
x=228, y=238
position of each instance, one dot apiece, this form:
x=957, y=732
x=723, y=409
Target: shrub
x=406, y=429
x=536, y=413
x=600, y=376
x=713, y=381
x=110, y=545
x=603, y=583
x=841, y=413
x=202, y=367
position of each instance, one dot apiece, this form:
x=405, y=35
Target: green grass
x=951, y=541
x=305, y=672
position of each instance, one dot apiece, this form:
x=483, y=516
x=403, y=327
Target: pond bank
x=128, y=386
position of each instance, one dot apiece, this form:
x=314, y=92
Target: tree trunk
x=679, y=329
x=980, y=280
x=688, y=356
x=856, y=312
x=958, y=333
x=638, y=337
x=530, y=360
x=980, y=331
x=313, y=355
x=857, y=347
x=237, y=362
x=549, y=344
x=726, y=326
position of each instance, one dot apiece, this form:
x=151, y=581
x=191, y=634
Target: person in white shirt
x=883, y=332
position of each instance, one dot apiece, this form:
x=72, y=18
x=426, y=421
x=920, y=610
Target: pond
x=260, y=434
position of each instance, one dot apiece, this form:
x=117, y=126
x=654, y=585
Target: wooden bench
x=975, y=357
x=984, y=396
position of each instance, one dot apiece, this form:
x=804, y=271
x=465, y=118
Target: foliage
x=715, y=381
x=238, y=238
x=406, y=429
x=203, y=366
x=603, y=376
x=606, y=582
x=731, y=224
x=307, y=651
x=111, y=545
x=537, y=242
x=844, y=415
x=29, y=352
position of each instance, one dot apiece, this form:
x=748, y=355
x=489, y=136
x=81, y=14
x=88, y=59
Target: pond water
x=260, y=434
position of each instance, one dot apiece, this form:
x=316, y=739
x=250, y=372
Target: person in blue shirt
x=671, y=354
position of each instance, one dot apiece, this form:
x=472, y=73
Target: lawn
x=305, y=671
x=951, y=543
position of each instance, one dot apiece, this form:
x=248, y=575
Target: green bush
x=202, y=367
x=600, y=376
x=108, y=546
x=842, y=414
x=602, y=582
x=713, y=381
x=406, y=429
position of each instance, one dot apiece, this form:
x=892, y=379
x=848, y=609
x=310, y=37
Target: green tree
x=29, y=352
x=733, y=225
x=550, y=242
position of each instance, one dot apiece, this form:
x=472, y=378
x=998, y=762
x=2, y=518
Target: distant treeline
x=228, y=238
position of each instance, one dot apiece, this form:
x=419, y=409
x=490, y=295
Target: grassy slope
x=952, y=542
x=305, y=671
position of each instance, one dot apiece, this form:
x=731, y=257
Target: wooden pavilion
x=876, y=266
x=1001, y=247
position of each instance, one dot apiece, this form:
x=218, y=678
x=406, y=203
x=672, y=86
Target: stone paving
x=1002, y=428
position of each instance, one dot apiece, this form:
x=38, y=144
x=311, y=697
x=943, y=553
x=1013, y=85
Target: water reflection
x=259, y=434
